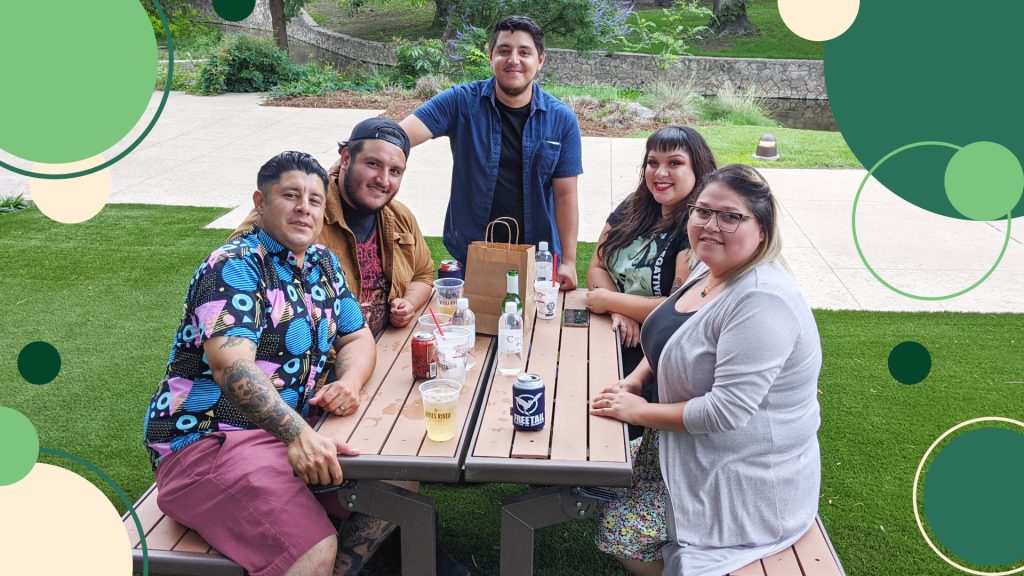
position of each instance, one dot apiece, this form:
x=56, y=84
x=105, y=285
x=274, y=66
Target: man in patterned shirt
x=226, y=428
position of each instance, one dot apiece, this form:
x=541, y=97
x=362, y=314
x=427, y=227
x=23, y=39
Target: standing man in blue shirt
x=516, y=149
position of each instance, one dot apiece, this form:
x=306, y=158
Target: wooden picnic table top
x=574, y=447
x=389, y=429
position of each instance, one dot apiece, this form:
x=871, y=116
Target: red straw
x=554, y=270
x=436, y=323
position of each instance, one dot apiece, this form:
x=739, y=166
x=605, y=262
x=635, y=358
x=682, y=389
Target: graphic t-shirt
x=647, y=265
x=375, y=288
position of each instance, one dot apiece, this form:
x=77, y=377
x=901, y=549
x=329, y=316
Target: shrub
x=315, y=80
x=428, y=86
x=14, y=203
x=246, y=63
x=674, y=102
x=744, y=108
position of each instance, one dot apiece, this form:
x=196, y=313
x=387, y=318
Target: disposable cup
x=440, y=405
x=449, y=290
x=453, y=352
x=426, y=322
x=546, y=295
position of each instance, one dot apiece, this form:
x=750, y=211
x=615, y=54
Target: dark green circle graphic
x=973, y=499
x=149, y=127
x=909, y=71
x=909, y=362
x=39, y=363
x=234, y=10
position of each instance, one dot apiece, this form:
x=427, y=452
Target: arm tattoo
x=257, y=399
x=233, y=341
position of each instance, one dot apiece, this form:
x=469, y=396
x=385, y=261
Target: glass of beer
x=440, y=402
x=449, y=290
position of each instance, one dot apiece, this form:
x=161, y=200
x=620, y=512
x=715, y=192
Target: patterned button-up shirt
x=250, y=288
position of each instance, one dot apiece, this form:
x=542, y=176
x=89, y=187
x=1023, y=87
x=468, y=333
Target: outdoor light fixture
x=766, y=149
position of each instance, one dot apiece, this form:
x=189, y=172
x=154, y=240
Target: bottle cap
x=462, y=304
x=510, y=307
x=542, y=246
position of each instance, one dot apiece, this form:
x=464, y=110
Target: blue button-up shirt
x=468, y=115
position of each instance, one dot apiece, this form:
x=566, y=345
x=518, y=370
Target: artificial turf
x=108, y=294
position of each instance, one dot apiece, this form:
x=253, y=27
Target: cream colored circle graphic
x=917, y=512
x=56, y=522
x=818, y=20
x=71, y=200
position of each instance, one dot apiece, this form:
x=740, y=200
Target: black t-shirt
x=646, y=266
x=508, y=190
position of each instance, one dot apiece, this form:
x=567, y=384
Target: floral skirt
x=634, y=526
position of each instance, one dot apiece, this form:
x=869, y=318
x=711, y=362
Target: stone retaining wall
x=802, y=79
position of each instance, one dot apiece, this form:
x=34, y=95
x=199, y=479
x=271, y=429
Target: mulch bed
x=397, y=106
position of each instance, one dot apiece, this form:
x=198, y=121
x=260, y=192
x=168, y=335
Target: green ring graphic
x=856, y=241
x=149, y=128
x=117, y=489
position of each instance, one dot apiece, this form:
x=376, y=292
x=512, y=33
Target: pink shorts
x=237, y=490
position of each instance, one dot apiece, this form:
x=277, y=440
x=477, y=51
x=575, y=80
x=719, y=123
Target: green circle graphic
x=984, y=181
x=39, y=362
x=860, y=252
x=234, y=10
x=906, y=71
x=120, y=494
x=909, y=362
x=71, y=50
x=20, y=448
x=973, y=499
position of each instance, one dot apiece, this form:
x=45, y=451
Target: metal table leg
x=412, y=512
x=522, y=515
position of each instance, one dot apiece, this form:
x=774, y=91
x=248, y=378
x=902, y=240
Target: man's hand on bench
x=339, y=398
x=314, y=457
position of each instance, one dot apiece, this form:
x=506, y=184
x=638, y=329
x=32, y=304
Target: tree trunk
x=731, y=18
x=442, y=8
x=278, y=20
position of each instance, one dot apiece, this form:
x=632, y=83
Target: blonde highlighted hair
x=753, y=188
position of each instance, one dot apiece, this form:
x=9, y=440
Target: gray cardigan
x=743, y=480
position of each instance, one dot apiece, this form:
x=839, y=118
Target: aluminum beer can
x=424, y=355
x=449, y=269
x=528, y=402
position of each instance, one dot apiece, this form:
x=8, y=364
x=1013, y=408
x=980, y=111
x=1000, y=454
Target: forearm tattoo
x=254, y=395
x=358, y=539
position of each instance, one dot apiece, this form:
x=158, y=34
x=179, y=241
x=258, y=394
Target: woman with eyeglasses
x=641, y=255
x=736, y=356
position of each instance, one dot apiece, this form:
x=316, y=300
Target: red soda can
x=424, y=355
x=449, y=269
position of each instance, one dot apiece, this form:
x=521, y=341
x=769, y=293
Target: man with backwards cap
x=387, y=263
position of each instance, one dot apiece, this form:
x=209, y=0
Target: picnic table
x=573, y=452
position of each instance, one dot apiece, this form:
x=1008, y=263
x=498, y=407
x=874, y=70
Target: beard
x=353, y=200
x=515, y=92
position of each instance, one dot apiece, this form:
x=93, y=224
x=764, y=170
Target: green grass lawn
x=384, y=20
x=108, y=294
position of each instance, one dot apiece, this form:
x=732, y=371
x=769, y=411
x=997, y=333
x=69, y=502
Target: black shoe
x=448, y=566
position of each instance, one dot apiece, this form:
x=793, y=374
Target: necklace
x=704, y=292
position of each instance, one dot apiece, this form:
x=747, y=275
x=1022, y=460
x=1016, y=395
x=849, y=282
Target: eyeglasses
x=727, y=221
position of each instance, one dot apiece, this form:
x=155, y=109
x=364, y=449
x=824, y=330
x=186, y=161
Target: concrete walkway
x=205, y=151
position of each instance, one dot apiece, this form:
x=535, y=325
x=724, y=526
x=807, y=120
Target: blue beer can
x=449, y=269
x=528, y=402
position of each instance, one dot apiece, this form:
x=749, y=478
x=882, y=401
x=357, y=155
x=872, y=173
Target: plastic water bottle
x=510, y=341
x=544, y=262
x=464, y=317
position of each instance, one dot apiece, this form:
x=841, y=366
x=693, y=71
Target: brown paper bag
x=486, y=267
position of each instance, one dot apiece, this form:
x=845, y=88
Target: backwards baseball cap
x=381, y=129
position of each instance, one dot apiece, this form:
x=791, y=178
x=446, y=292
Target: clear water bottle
x=510, y=341
x=544, y=263
x=464, y=317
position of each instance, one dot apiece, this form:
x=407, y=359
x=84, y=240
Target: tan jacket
x=404, y=254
